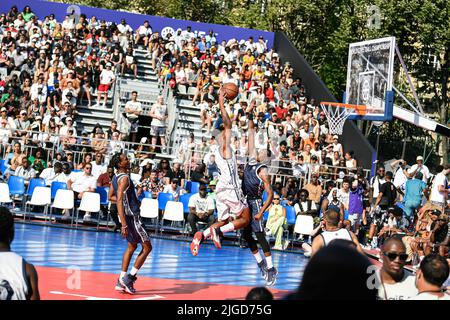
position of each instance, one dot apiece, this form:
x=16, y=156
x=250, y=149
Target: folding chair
x=41, y=196
x=149, y=210
x=90, y=202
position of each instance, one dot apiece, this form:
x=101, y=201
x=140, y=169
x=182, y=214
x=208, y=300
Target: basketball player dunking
x=233, y=212
x=128, y=207
x=256, y=179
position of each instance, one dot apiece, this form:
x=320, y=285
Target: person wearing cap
x=63, y=131
x=415, y=189
x=22, y=124
x=177, y=172
x=201, y=209
x=107, y=78
x=419, y=167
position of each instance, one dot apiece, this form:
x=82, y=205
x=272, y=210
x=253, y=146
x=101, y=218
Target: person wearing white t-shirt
x=419, y=167
x=158, y=112
x=98, y=166
x=133, y=109
x=107, y=78
x=376, y=182
x=431, y=276
x=201, y=208
x=81, y=182
x=439, y=190
x=144, y=32
x=392, y=280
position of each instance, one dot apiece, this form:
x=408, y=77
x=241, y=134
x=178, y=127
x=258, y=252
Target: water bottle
x=374, y=242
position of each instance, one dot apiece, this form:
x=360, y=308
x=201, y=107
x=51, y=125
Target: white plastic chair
x=174, y=213
x=4, y=193
x=192, y=91
x=41, y=197
x=182, y=89
x=90, y=202
x=63, y=200
x=304, y=225
x=149, y=210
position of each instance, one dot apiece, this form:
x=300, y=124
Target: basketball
x=230, y=90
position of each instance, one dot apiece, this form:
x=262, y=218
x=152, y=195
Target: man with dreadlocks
x=122, y=192
x=256, y=179
x=18, y=279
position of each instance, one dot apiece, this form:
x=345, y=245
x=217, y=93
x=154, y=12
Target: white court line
x=154, y=297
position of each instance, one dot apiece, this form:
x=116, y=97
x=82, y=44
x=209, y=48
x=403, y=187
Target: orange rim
x=359, y=109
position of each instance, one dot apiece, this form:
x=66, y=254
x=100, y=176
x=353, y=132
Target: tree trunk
x=444, y=105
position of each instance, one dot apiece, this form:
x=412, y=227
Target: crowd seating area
x=50, y=67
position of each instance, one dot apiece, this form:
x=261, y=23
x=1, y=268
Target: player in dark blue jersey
x=255, y=180
x=128, y=207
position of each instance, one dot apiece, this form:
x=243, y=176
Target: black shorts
x=255, y=205
x=136, y=230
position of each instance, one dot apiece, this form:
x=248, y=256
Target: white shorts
x=229, y=205
x=355, y=218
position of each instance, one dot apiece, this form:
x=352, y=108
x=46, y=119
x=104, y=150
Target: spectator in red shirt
x=105, y=178
x=280, y=110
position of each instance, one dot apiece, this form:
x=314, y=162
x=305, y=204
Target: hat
x=38, y=118
x=213, y=183
x=69, y=118
x=274, y=114
x=419, y=158
x=242, y=42
x=23, y=112
x=3, y=109
x=147, y=161
x=335, y=137
x=109, y=64
x=179, y=161
x=322, y=113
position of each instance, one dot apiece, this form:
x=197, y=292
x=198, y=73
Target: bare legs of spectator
x=197, y=93
x=87, y=90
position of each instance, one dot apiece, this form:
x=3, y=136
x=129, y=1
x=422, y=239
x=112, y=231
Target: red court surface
x=56, y=284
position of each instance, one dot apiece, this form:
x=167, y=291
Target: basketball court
x=84, y=265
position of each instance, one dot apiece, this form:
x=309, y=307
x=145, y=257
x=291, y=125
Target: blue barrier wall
x=60, y=10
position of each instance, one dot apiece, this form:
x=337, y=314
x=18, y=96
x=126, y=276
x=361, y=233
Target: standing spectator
x=133, y=109
x=439, y=190
x=356, y=210
x=433, y=273
x=201, y=208
x=388, y=193
x=81, y=182
x=107, y=78
x=414, y=192
x=25, y=171
x=394, y=283
x=376, y=182
x=158, y=127
x=420, y=167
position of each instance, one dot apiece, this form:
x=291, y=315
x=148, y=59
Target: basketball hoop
x=337, y=113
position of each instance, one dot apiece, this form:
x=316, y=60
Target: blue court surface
x=64, y=248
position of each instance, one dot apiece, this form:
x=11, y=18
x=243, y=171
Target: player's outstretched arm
x=251, y=150
x=227, y=152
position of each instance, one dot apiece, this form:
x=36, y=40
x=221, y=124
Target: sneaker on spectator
x=286, y=244
x=87, y=217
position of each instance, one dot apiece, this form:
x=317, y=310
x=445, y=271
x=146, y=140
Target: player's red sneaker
x=195, y=245
x=215, y=237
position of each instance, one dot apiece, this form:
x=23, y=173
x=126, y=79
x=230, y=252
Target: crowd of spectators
x=54, y=67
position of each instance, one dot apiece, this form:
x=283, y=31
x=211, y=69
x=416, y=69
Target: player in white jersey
x=333, y=231
x=233, y=212
x=18, y=279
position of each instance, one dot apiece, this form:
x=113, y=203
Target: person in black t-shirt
x=198, y=174
x=388, y=193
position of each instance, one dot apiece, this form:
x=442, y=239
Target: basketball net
x=336, y=116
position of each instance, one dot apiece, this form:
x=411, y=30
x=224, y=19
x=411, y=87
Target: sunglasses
x=392, y=256
x=276, y=198
x=89, y=168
